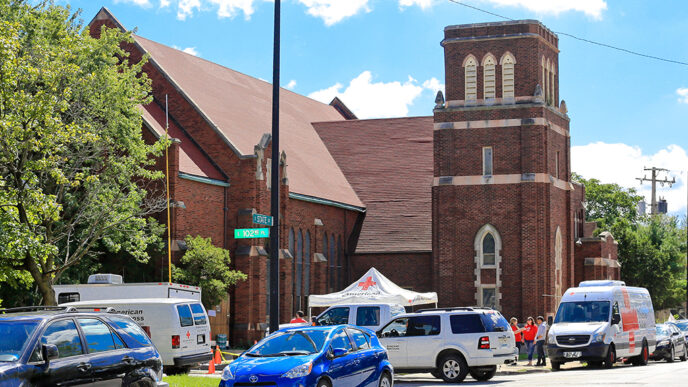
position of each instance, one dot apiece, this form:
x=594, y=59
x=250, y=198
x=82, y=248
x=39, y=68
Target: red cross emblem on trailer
x=368, y=283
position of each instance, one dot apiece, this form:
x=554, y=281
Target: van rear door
x=202, y=327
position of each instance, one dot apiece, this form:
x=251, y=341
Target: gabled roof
x=239, y=108
x=192, y=160
x=389, y=162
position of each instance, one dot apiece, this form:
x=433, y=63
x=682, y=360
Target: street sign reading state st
x=243, y=233
x=262, y=219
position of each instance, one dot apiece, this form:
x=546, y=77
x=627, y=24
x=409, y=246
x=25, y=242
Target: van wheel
x=453, y=368
x=610, y=359
x=672, y=354
x=483, y=374
x=556, y=366
x=642, y=359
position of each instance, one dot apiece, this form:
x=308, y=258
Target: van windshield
x=583, y=312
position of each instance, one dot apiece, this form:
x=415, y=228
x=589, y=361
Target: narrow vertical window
x=471, y=78
x=508, y=81
x=556, y=166
x=324, y=251
x=488, y=250
x=487, y=161
x=332, y=257
x=550, y=97
x=299, y=268
x=340, y=261
x=544, y=79
x=552, y=88
x=307, y=266
x=489, y=86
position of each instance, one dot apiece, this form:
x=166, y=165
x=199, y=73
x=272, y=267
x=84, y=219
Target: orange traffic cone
x=211, y=367
x=218, y=358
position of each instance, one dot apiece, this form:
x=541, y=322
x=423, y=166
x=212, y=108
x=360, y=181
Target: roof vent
x=586, y=284
x=105, y=279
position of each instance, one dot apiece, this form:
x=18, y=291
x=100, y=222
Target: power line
x=578, y=38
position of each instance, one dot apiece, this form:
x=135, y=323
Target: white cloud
x=421, y=3
x=188, y=50
x=592, y=8
x=682, y=94
x=368, y=99
x=164, y=3
x=291, y=85
x=185, y=8
x=622, y=164
x=230, y=8
x=334, y=11
x=434, y=85
x=140, y=3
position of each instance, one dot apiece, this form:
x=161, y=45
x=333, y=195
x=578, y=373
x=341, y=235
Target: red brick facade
x=526, y=203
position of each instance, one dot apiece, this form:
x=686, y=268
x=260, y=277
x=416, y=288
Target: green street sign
x=243, y=233
x=262, y=219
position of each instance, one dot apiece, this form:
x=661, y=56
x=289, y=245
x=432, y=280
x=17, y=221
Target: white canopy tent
x=372, y=288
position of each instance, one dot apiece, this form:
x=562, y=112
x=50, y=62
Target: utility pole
x=654, y=180
x=275, y=176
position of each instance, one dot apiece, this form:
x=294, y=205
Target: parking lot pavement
x=574, y=374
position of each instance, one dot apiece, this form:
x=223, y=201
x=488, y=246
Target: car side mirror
x=675, y=334
x=616, y=318
x=49, y=352
x=338, y=352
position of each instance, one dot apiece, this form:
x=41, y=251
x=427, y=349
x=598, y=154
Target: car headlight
x=227, y=373
x=663, y=343
x=299, y=371
x=598, y=337
x=550, y=338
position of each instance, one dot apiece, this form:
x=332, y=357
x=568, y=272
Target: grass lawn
x=191, y=381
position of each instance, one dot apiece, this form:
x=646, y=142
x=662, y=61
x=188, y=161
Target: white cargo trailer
x=111, y=286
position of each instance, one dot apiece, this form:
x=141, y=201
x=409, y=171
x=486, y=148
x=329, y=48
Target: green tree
x=207, y=266
x=74, y=169
x=652, y=249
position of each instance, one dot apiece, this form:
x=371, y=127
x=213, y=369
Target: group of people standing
x=532, y=336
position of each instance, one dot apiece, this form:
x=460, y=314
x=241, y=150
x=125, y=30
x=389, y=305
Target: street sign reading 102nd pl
x=262, y=219
x=243, y=233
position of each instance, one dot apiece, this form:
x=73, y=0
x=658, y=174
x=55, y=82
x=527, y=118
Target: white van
x=178, y=327
x=371, y=316
x=600, y=322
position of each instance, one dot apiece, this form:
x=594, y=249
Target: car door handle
x=128, y=360
x=83, y=367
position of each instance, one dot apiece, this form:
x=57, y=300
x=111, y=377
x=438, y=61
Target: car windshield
x=15, y=335
x=290, y=343
x=683, y=325
x=583, y=312
x=663, y=330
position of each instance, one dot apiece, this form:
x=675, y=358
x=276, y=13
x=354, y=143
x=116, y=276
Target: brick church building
x=474, y=202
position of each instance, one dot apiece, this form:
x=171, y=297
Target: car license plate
x=200, y=339
x=503, y=341
x=572, y=355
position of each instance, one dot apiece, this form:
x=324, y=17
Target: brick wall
x=408, y=270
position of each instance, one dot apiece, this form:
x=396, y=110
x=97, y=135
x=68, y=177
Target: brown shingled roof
x=240, y=107
x=389, y=163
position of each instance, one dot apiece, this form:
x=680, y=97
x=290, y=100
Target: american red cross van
x=600, y=322
x=178, y=327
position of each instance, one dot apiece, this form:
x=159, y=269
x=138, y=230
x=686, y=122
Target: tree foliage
x=207, y=266
x=652, y=249
x=73, y=164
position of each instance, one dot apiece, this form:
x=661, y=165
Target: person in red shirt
x=518, y=335
x=298, y=318
x=529, y=333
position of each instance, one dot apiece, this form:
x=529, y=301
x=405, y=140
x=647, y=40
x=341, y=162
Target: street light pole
x=275, y=179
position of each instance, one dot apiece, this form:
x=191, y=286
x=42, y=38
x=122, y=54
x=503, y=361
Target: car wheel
x=642, y=359
x=672, y=354
x=453, y=369
x=324, y=383
x=385, y=380
x=556, y=366
x=483, y=374
x=610, y=359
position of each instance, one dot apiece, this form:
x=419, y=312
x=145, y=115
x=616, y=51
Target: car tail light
x=484, y=342
x=146, y=329
x=175, y=342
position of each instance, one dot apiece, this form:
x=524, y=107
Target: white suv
x=449, y=343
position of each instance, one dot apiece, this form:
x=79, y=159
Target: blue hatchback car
x=329, y=356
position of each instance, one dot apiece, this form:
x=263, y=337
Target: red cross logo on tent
x=368, y=283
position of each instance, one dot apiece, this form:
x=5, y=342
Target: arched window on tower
x=508, y=77
x=470, y=65
x=489, y=78
x=552, y=88
x=550, y=97
x=544, y=86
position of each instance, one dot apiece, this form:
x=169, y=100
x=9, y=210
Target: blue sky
x=383, y=58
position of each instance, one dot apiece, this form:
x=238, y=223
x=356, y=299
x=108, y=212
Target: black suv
x=66, y=346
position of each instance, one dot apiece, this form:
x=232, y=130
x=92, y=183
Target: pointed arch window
x=307, y=265
x=545, y=87
x=340, y=261
x=299, y=265
x=470, y=65
x=331, y=258
x=489, y=77
x=488, y=250
x=325, y=252
x=508, y=77
x=552, y=96
x=488, y=246
x=549, y=82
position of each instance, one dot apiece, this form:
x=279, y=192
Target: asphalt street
x=654, y=374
